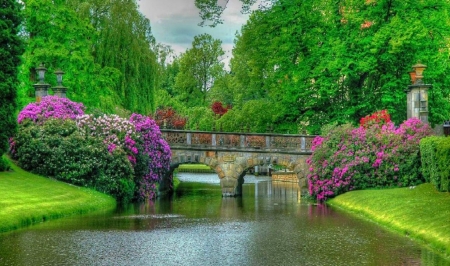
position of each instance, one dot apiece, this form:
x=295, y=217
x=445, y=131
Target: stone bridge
x=232, y=154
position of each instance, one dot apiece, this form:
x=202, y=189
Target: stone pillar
x=229, y=186
x=60, y=91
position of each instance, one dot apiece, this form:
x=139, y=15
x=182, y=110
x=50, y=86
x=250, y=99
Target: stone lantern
x=59, y=90
x=417, y=94
x=41, y=88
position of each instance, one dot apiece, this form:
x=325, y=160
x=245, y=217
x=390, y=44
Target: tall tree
x=103, y=46
x=11, y=48
x=325, y=62
x=199, y=68
x=57, y=36
x=125, y=43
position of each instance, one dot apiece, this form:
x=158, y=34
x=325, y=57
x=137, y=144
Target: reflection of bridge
x=232, y=154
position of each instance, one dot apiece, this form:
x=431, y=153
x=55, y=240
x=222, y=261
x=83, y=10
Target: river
x=269, y=225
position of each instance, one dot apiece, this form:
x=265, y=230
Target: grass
x=421, y=213
x=195, y=168
x=27, y=199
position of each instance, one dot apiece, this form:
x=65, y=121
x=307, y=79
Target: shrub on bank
x=435, y=155
x=124, y=158
x=374, y=155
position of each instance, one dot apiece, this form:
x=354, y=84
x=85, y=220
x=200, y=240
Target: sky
x=175, y=23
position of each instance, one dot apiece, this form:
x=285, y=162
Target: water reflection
x=270, y=225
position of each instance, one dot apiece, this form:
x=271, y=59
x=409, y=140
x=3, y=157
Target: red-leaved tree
x=168, y=118
x=218, y=109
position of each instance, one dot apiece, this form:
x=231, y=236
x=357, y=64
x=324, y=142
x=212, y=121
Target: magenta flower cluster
x=139, y=138
x=156, y=152
x=376, y=156
x=51, y=107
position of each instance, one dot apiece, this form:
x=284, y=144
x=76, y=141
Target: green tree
x=200, y=66
x=57, y=36
x=124, y=42
x=105, y=48
x=11, y=48
x=323, y=62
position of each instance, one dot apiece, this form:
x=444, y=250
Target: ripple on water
x=150, y=216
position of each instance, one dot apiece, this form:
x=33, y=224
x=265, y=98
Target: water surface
x=270, y=225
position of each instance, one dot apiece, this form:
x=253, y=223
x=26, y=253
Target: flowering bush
x=381, y=118
x=154, y=160
x=56, y=149
x=51, y=107
x=371, y=156
x=125, y=158
x=115, y=131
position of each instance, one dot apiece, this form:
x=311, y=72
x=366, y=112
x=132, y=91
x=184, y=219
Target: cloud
x=175, y=23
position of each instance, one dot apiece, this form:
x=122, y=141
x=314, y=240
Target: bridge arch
x=231, y=167
x=230, y=155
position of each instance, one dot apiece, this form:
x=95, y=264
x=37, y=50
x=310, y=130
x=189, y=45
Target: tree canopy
x=103, y=47
x=321, y=62
x=200, y=66
x=11, y=48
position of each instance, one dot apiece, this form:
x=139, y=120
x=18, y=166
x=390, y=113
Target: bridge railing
x=237, y=141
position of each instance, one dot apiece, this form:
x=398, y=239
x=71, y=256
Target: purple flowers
x=157, y=154
x=51, y=107
x=374, y=156
x=138, y=139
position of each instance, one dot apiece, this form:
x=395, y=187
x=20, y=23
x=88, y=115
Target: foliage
x=169, y=118
x=378, y=156
x=56, y=149
x=103, y=47
x=11, y=46
x=201, y=118
x=51, y=107
x=218, y=109
x=199, y=67
x=381, y=118
x=323, y=67
x=124, y=42
x=253, y=115
x=124, y=158
x=435, y=155
x=154, y=159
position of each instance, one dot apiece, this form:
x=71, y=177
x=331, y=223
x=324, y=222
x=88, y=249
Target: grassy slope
x=421, y=213
x=26, y=199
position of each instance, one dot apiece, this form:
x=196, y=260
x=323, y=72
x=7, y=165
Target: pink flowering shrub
x=125, y=158
x=51, y=107
x=153, y=161
x=115, y=131
x=375, y=156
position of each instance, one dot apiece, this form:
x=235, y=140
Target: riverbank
x=27, y=199
x=421, y=213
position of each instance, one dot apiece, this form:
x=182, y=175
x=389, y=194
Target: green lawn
x=194, y=167
x=26, y=199
x=422, y=213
